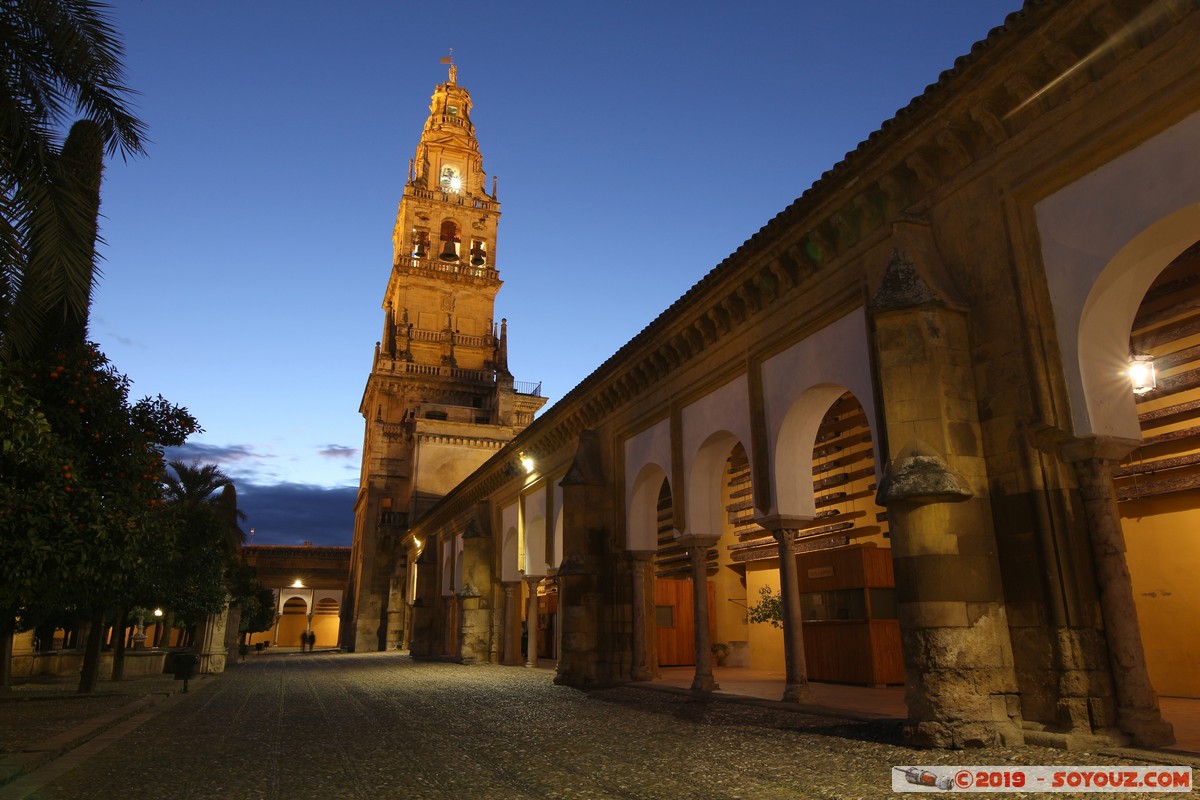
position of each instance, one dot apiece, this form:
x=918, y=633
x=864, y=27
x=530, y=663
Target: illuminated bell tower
x=440, y=399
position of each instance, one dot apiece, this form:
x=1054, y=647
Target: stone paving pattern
x=384, y=726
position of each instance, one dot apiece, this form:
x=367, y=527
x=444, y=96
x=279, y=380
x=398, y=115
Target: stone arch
x=799, y=385
x=293, y=619
x=1103, y=238
x=794, y=495
x=647, y=465
x=510, y=568
x=642, y=510
x=703, y=495
x=1107, y=319
x=557, y=522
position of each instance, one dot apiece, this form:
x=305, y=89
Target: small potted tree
x=720, y=652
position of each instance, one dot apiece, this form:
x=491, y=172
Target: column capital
x=781, y=522
x=693, y=540
x=642, y=555
x=1101, y=448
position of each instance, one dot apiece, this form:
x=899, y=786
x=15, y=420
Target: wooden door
x=675, y=622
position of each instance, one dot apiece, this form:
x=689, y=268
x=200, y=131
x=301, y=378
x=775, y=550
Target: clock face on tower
x=451, y=179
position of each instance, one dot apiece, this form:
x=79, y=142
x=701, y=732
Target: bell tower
x=439, y=400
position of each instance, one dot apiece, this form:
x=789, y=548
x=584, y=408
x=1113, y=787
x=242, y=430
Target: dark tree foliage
x=59, y=59
x=82, y=519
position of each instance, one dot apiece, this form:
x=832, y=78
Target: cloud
x=294, y=513
x=211, y=453
x=337, y=451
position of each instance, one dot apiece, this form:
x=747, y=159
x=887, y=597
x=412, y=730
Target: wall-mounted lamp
x=297, y=584
x=1141, y=373
x=527, y=464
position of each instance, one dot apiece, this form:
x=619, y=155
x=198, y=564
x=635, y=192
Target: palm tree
x=206, y=502
x=58, y=59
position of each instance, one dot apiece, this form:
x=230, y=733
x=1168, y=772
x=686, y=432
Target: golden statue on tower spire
x=453, y=69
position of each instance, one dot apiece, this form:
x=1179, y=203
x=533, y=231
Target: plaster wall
x=710, y=427
x=799, y=385
x=1105, y=238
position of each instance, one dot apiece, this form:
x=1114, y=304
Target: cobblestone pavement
x=383, y=726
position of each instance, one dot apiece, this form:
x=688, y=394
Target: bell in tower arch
x=478, y=256
x=449, y=242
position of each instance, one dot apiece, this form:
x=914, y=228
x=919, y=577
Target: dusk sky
x=636, y=145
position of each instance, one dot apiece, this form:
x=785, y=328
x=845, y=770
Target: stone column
x=697, y=546
x=531, y=621
x=795, y=689
x=639, y=669
x=960, y=684
x=212, y=642
x=586, y=528
x=511, y=656
x=423, y=636
x=1137, y=705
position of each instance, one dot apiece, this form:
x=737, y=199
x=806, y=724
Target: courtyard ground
x=383, y=726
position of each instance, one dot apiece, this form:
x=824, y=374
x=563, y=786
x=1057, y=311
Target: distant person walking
x=303, y=640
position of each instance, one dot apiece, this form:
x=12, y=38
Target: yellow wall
x=766, y=642
x=1162, y=537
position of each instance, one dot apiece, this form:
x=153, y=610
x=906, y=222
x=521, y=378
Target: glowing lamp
x=1141, y=374
x=527, y=464
x=297, y=584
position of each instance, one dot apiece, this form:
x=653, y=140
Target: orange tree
x=82, y=522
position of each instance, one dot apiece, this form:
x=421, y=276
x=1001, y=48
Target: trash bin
x=184, y=665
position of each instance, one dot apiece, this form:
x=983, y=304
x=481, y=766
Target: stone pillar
x=1138, y=712
x=425, y=632
x=474, y=626
x=795, y=689
x=639, y=669
x=531, y=621
x=397, y=609
x=475, y=598
x=511, y=642
x=960, y=684
x=697, y=548
x=586, y=529
x=212, y=642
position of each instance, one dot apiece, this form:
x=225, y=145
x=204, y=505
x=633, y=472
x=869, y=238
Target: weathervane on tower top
x=453, y=69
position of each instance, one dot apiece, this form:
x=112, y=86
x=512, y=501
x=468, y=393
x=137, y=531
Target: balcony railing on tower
x=435, y=266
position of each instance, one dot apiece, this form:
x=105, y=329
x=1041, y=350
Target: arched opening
x=674, y=616
x=847, y=594
x=451, y=241
x=1158, y=484
x=292, y=622
x=325, y=622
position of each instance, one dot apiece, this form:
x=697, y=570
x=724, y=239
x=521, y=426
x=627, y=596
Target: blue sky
x=636, y=144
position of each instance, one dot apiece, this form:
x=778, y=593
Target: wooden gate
x=675, y=622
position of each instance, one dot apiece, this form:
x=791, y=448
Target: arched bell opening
x=451, y=241
x=420, y=243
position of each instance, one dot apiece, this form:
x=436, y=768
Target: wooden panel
x=838, y=652
x=864, y=653
x=886, y=656
x=877, y=567
x=677, y=645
